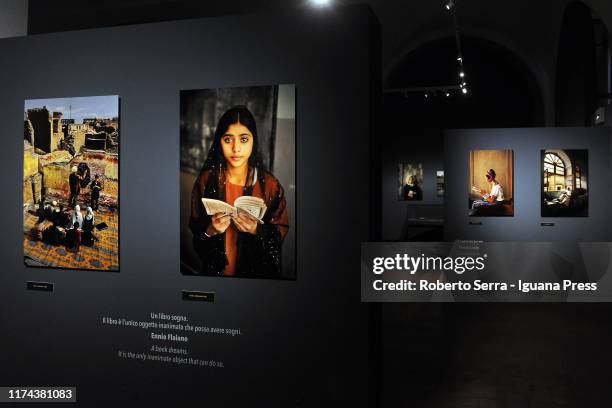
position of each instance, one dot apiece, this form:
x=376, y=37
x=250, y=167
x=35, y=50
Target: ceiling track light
x=450, y=5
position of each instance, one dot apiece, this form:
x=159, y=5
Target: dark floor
x=496, y=355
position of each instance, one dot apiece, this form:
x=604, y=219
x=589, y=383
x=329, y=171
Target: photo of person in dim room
x=491, y=183
x=237, y=244
x=410, y=181
x=412, y=190
x=564, y=183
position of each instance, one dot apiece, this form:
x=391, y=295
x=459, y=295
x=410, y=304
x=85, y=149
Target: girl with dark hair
x=238, y=245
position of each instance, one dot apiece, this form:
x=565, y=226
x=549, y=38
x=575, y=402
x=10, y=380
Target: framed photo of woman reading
x=491, y=183
x=238, y=182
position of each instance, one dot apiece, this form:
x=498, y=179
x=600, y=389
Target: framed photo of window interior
x=71, y=183
x=238, y=182
x=565, y=184
x=410, y=181
x=491, y=183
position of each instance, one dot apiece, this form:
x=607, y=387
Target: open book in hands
x=477, y=190
x=254, y=206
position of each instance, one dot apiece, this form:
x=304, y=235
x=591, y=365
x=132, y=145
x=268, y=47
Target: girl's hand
x=245, y=222
x=219, y=224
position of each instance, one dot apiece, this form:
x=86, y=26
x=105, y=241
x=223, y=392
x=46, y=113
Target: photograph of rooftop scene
x=71, y=183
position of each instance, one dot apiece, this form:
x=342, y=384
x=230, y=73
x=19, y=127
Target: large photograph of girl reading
x=238, y=182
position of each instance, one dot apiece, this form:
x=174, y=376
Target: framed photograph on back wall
x=491, y=183
x=410, y=182
x=565, y=184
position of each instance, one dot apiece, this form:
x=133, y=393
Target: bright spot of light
x=320, y=3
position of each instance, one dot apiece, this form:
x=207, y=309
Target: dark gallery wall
x=303, y=342
x=527, y=144
x=13, y=18
x=576, y=75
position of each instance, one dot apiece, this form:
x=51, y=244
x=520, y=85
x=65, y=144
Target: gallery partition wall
x=555, y=185
x=296, y=341
x=560, y=189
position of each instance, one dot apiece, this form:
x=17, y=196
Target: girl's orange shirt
x=232, y=192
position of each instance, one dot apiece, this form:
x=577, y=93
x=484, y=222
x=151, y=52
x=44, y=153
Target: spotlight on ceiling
x=464, y=90
x=462, y=74
x=320, y=3
x=450, y=4
x=447, y=94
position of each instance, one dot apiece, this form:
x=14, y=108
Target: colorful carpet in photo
x=103, y=255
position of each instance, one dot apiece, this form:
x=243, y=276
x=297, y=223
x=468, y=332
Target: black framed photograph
x=410, y=181
x=238, y=182
x=71, y=183
x=565, y=183
x=491, y=183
